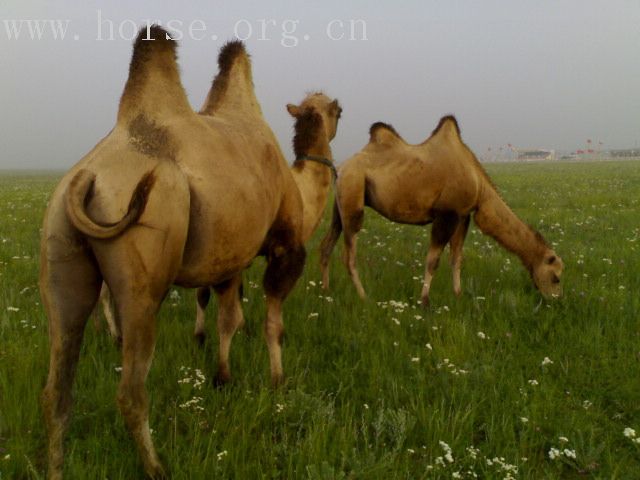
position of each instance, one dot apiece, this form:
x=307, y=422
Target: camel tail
x=80, y=192
x=329, y=242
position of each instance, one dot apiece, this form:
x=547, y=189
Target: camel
x=441, y=182
x=316, y=123
x=169, y=196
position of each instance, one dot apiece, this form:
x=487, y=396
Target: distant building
x=625, y=153
x=537, y=154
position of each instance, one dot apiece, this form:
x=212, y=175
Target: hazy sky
x=543, y=73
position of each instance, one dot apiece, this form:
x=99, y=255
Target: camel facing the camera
x=316, y=124
x=441, y=182
x=169, y=196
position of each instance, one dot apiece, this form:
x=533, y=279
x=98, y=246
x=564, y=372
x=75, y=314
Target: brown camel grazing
x=316, y=123
x=439, y=181
x=167, y=197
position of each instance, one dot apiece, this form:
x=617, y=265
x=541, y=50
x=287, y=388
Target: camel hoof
x=277, y=381
x=425, y=302
x=221, y=379
x=200, y=338
x=157, y=472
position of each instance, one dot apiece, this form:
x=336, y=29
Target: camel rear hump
x=448, y=128
x=233, y=86
x=153, y=88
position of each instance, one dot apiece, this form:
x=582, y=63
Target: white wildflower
x=554, y=453
x=563, y=439
x=546, y=361
x=13, y=309
x=533, y=382
x=481, y=335
x=569, y=453
x=629, y=432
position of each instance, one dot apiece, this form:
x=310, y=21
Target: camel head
x=546, y=274
x=318, y=104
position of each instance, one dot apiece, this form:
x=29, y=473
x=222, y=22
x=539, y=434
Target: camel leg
x=456, y=243
x=443, y=227
x=70, y=292
x=279, y=279
x=229, y=320
x=203, y=296
x=350, y=260
x=107, y=310
x=328, y=244
x=137, y=310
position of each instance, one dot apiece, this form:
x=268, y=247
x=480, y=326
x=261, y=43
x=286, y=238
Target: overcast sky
x=543, y=73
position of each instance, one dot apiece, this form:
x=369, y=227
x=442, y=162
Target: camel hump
x=383, y=133
x=153, y=87
x=446, y=126
x=233, y=86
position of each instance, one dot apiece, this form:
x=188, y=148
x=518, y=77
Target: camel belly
x=226, y=232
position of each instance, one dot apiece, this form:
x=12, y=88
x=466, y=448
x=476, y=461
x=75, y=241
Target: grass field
x=375, y=389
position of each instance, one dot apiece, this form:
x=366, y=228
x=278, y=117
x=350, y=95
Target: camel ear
x=551, y=259
x=293, y=110
x=335, y=108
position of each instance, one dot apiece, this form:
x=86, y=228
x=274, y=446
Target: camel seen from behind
x=439, y=181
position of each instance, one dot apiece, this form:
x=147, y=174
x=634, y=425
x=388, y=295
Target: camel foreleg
x=328, y=244
x=279, y=279
x=229, y=320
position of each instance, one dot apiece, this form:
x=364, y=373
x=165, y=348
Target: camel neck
x=494, y=217
x=314, y=181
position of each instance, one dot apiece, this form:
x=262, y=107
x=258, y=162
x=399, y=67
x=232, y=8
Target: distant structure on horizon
x=534, y=154
x=625, y=153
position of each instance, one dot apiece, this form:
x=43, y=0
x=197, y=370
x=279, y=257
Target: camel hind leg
x=350, y=241
x=442, y=229
x=328, y=244
x=351, y=198
x=70, y=289
x=137, y=309
x=456, y=243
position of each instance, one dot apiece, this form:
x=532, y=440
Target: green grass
x=372, y=387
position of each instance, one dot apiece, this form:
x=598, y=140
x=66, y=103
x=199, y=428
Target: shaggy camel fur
x=439, y=181
x=316, y=124
x=167, y=197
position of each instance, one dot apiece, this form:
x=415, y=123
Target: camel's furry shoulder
x=381, y=133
